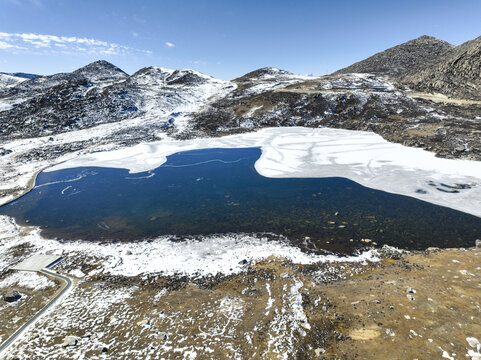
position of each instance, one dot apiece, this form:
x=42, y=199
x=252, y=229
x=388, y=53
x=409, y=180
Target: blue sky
x=221, y=38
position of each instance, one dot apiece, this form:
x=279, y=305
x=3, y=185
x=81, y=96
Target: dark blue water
x=219, y=191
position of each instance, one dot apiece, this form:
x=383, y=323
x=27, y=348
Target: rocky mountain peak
x=402, y=58
x=100, y=70
x=187, y=77
x=262, y=73
x=151, y=75
x=457, y=73
x=425, y=38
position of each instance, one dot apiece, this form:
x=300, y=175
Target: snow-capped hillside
x=96, y=72
x=7, y=80
x=150, y=76
x=154, y=75
x=265, y=79
x=166, y=97
x=102, y=93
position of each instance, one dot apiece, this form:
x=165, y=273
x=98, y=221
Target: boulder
x=12, y=296
x=70, y=341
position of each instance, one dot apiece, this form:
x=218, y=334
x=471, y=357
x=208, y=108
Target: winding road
x=68, y=285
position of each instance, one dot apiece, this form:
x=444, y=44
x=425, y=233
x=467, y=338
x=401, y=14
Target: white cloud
x=47, y=44
x=5, y=45
x=169, y=44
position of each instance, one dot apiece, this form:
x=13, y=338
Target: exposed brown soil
x=417, y=306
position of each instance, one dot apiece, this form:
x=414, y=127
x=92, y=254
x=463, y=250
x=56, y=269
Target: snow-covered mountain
x=102, y=93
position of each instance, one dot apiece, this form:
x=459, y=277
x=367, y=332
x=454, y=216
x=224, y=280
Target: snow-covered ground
x=363, y=157
x=5, y=106
x=27, y=279
x=202, y=256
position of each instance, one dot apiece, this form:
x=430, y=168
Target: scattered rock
x=478, y=243
x=12, y=296
x=70, y=341
x=4, y=152
x=102, y=349
x=390, y=252
x=143, y=322
x=472, y=341
x=390, y=332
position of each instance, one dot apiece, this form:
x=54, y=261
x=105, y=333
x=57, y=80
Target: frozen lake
x=219, y=190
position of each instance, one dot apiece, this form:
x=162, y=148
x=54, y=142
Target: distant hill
x=21, y=75
x=7, y=80
x=401, y=59
x=265, y=72
x=25, y=75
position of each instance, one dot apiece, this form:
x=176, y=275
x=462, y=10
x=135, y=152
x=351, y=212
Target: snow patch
x=77, y=273
x=27, y=279
x=5, y=107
